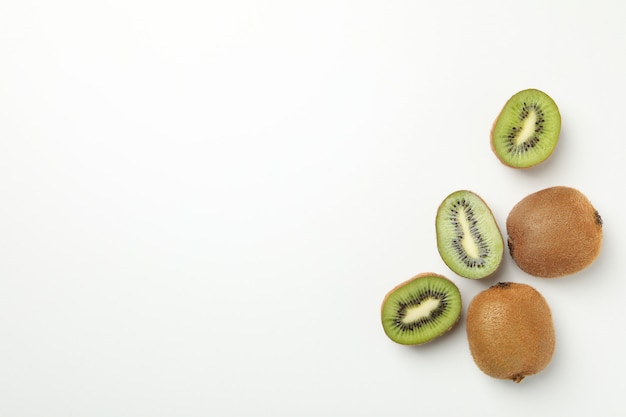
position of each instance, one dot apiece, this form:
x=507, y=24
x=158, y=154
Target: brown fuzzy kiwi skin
x=510, y=331
x=554, y=232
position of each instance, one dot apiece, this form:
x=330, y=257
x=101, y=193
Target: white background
x=204, y=203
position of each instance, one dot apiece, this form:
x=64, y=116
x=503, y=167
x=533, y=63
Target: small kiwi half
x=527, y=129
x=421, y=309
x=468, y=237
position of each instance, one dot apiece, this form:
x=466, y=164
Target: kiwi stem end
x=518, y=378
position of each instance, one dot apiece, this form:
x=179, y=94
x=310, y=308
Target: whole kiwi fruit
x=527, y=129
x=554, y=232
x=510, y=331
x=421, y=309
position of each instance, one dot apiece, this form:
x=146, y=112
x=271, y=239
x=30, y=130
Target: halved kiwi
x=527, y=129
x=468, y=237
x=421, y=309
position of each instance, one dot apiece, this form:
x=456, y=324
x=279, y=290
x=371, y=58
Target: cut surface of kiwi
x=554, y=232
x=527, y=129
x=421, y=309
x=468, y=237
x=510, y=331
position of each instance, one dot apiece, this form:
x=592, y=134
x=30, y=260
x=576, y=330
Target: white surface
x=204, y=203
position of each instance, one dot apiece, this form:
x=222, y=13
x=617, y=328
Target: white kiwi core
x=421, y=310
x=528, y=129
x=468, y=243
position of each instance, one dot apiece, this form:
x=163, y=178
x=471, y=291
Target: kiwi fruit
x=421, y=309
x=510, y=331
x=554, y=232
x=527, y=129
x=468, y=237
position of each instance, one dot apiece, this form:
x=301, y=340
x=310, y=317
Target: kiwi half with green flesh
x=527, y=129
x=421, y=309
x=510, y=331
x=468, y=237
x=554, y=232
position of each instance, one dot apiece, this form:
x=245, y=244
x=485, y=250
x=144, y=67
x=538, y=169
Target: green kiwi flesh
x=421, y=309
x=527, y=129
x=468, y=237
